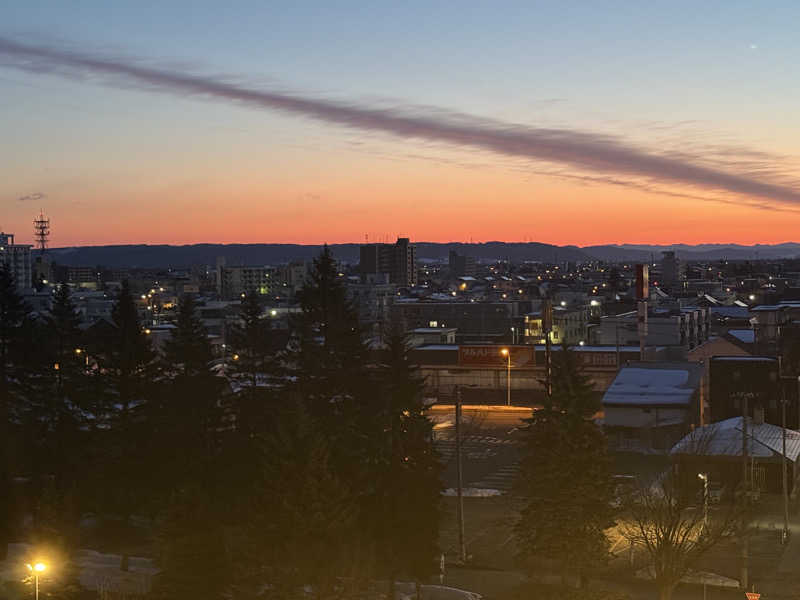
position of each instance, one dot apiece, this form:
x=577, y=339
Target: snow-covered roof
x=733, y=312
x=557, y=348
x=747, y=358
x=725, y=439
x=746, y=336
x=650, y=384
x=437, y=347
x=767, y=308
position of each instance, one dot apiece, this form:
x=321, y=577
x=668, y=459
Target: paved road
x=491, y=444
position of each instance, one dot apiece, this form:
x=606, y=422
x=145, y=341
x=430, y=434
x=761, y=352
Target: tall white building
x=232, y=282
x=17, y=258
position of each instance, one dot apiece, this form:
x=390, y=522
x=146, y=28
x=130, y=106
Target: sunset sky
x=567, y=123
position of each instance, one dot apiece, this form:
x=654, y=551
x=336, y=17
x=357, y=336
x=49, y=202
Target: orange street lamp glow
x=506, y=352
x=36, y=568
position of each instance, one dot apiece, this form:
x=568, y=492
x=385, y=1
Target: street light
x=507, y=353
x=80, y=351
x=36, y=568
x=704, y=477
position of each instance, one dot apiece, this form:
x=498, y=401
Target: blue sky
x=669, y=72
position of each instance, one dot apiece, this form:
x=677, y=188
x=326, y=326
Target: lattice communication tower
x=41, y=231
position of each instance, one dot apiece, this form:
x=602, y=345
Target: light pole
x=83, y=351
x=704, y=477
x=507, y=353
x=460, y=506
x=36, y=568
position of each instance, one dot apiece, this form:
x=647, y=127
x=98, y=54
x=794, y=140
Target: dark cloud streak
x=582, y=150
x=30, y=197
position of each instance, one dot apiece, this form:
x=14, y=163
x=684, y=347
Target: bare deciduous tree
x=661, y=519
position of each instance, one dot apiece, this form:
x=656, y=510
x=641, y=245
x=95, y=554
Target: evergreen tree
x=129, y=377
x=13, y=313
x=53, y=417
x=252, y=366
x=403, y=511
x=193, y=551
x=188, y=417
x=573, y=392
x=188, y=352
x=330, y=359
x=304, y=519
x=565, y=476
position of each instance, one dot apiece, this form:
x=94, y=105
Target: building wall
x=471, y=319
x=17, y=258
x=399, y=260
x=235, y=281
x=460, y=265
x=736, y=378
x=569, y=326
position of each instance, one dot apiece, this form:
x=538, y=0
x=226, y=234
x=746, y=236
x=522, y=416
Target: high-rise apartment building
x=399, y=260
x=17, y=259
x=234, y=281
x=670, y=270
x=460, y=265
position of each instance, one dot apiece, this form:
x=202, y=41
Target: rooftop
x=670, y=384
x=725, y=439
x=746, y=336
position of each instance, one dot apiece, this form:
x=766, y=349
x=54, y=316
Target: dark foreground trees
x=565, y=476
x=308, y=466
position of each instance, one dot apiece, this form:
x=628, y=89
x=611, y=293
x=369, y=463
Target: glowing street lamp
x=36, y=568
x=507, y=353
x=79, y=351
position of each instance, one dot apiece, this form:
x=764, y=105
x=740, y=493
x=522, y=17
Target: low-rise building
x=475, y=321
x=481, y=370
x=651, y=405
x=569, y=326
x=715, y=451
x=17, y=259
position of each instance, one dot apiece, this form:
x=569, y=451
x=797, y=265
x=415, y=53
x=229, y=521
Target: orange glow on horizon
x=429, y=202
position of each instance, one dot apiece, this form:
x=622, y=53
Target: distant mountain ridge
x=152, y=256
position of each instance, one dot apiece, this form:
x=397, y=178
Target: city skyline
x=220, y=133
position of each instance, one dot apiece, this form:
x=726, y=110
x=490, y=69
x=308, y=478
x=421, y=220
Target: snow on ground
x=407, y=590
x=473, y=492
x=697, y=577
x=97, y=570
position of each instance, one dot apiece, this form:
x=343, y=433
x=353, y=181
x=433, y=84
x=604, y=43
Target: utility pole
x=785, y=535
x=547, y=328
x=460, y=506
x=642, y=294
x=744, y=542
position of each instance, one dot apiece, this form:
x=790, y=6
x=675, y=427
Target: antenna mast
x=41, y=231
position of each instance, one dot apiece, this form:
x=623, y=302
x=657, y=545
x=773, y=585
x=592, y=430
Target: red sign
x=493, y=356
x=752, y=595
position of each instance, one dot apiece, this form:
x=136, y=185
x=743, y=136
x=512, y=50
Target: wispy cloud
x=598, y=153
x=31, y=197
